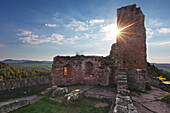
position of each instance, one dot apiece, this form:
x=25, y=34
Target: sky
x=43, y=29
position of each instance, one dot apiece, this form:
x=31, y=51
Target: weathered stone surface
x=47, y=91
x=73, y=96
x=136, y=79
x=101, y=93
x=158, y=83
x=13, y=105
x=82, y=69
x=123, y=103
x=16, y=87
x=130, y=48
x=59, y=91
x=151, y=102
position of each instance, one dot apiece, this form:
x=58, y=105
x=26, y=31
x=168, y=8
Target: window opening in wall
x=89, y=69
x=65, y=71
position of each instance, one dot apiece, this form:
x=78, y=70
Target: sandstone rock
x=47, y=91
x=73, y=96
x=59, y=91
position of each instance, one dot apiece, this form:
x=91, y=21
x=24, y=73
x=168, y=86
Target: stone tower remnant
x=130, y=48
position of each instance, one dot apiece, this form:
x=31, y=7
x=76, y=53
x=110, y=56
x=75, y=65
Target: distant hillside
x=165, y=67
x=11, y=72
x=14, y=61
x=156, y=72
x=29, y=64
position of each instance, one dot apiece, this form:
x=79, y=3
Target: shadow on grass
x=84, y=105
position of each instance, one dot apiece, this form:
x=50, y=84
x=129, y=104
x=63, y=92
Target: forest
x=11, y=72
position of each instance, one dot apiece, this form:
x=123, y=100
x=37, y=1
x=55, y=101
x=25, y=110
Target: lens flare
x=120, y=31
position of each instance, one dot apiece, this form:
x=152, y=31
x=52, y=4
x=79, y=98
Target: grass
x=166, y=99
x=45, y=105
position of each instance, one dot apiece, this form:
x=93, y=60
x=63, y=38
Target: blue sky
x=42, y=29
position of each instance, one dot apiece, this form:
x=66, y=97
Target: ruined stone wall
x=14, y=87
x=101, y=70
x=131, y=41
x=136, y=79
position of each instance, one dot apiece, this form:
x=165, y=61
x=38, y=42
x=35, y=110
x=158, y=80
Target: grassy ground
x=166, y=99
x=84, y=105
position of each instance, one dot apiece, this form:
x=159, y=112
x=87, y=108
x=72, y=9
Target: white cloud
x=72, y=40
x=86, y=35
x=35, y=39
x=1, y=45
x=51, y=25
x=24, y=32
x=110, y=31
x=164, y=43
x=159, y=43
x=77, y=26
x=154, y=22
x=58, y=37
x=32, y=39
x=149, y=32
x=164, y=30
x=95, y=21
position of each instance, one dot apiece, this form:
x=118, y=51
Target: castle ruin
x=127, y=54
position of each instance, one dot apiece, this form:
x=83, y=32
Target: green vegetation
x=155, y=72
x=84, y=105
x=166, y=99
x=11, y=72
x=29, y=65
x=148, y=87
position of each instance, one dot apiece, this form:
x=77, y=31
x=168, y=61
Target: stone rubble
x=59, y=91
x=73, y=96
x=55, y=91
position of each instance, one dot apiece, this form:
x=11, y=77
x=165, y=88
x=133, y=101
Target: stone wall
x=131, y=41
x=14, y=87
x=136, y=79
x=82, y=69
x=13, y=105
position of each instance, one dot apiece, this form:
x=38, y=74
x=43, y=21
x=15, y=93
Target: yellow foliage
x=161, y=78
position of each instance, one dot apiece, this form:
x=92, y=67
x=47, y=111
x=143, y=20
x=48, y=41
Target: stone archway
x=89, y=68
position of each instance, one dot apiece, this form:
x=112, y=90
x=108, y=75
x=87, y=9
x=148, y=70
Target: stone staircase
x=123, y=103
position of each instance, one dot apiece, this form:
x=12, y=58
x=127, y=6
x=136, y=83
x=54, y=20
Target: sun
x=117, y=31
x=114, y=30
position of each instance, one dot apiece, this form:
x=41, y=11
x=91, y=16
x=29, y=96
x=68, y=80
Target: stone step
x=122, y=76
x=132, y=108
x=122, y=86
x=120, y=109
x=123, y=97
x=123, y=92
x=122, y=81
x=123, y=101
x=122, y=73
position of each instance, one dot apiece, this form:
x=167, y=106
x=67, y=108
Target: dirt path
x=150, y=102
